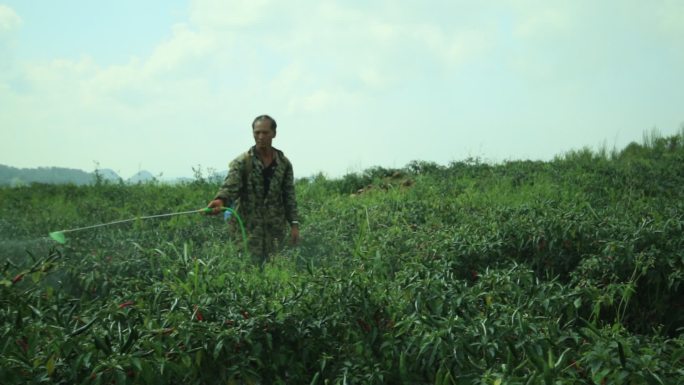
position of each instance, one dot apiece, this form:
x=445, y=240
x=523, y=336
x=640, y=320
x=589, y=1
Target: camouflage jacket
x=265, y=215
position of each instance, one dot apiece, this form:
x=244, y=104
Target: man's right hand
x=216, y=205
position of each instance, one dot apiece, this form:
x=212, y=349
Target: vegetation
x=559, y=272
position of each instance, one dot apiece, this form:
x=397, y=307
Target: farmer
x=260, y=186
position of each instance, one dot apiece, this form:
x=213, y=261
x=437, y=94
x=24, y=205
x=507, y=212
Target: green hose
x=242, y=226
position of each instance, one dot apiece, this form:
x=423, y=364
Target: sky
x=168, y=85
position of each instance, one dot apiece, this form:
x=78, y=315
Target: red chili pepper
x=17, y=278
x=541, y=246
x=198, y=314
x=377, y=317
x=23, y=344
x=574, y=364
x=126, y=304
x=364, y=325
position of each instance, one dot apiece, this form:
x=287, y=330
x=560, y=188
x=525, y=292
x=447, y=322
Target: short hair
x=263, y=117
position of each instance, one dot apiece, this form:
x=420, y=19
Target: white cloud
x=373, y=44
x=452, y=46
x=9, y=22
x=289, y=77
x=309, y=61
x=541, y=22
x=222, y=14
x=9, y=19
x=383, y=31
x=671, y=21
x=323, y=100
x=305, y=58
x=374, y=77
x=185, y=45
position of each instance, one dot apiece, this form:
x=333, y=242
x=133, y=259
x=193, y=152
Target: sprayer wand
x=58, y=236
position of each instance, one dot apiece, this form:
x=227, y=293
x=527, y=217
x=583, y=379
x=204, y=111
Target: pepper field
x=561, y=272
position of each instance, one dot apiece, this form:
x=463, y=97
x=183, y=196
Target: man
x=260, y=186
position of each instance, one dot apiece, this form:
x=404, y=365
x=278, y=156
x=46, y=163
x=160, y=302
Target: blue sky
x=168, y=85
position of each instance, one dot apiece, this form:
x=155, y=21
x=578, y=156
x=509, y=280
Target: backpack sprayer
x=59, y=237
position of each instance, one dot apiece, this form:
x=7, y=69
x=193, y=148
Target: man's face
x=263, y=134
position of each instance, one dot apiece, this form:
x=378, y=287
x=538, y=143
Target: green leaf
x=135, y=361
x=36, y=276
x=35, y=311
x=217, y=348
x=120, y=377
x=315, y=378
x=198, y=358
x=403, y=372
x=656, y=377
x=621, y=354
x=50, y=365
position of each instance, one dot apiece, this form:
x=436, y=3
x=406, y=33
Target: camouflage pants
x=262, y=240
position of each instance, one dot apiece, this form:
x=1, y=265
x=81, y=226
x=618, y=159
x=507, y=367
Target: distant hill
x=108, y=174
x=12, y=176
x=142, y=176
